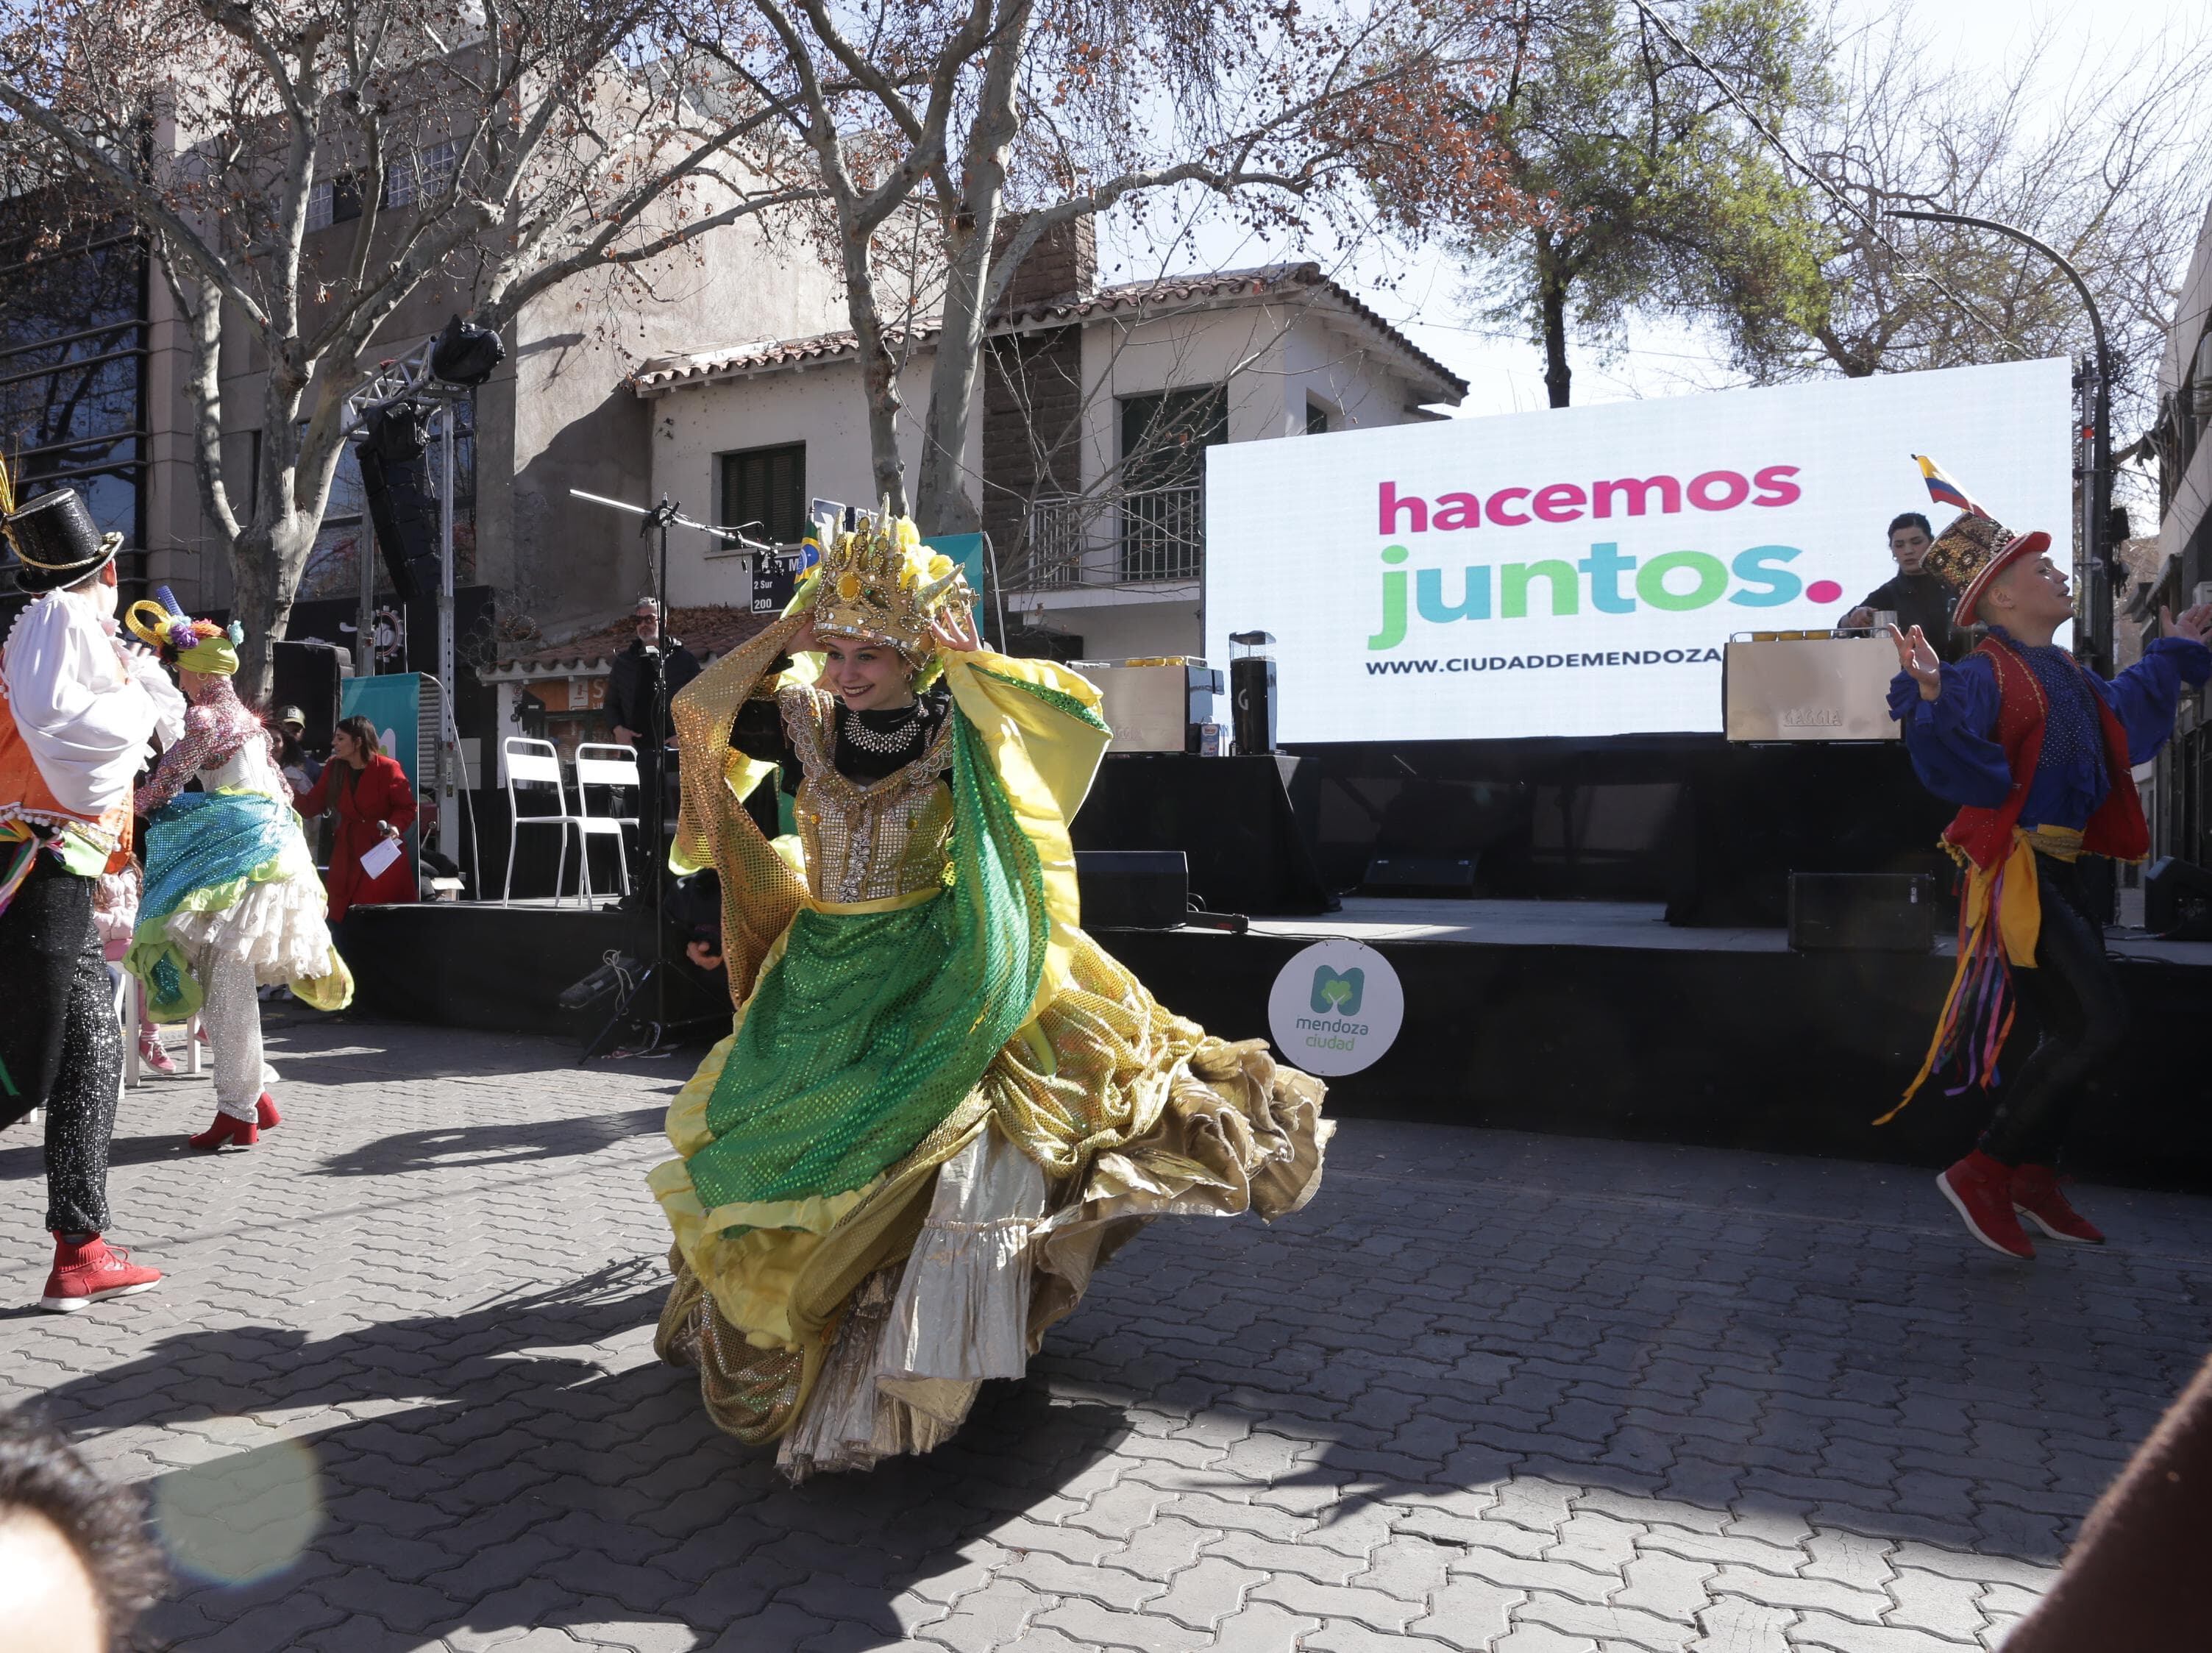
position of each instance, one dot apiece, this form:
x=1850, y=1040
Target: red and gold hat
x=1976, y=548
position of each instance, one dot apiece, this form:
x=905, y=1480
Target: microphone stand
x=653, y=817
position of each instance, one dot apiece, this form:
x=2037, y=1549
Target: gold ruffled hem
x=1132, y=1112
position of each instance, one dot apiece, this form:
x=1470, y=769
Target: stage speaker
x=1133, y=889
x=2177, y=900
x=1252, y=703
x=396, y=479
x=1878, y=912
x=307, y=676
x=1419, y=875
x=1230, y=817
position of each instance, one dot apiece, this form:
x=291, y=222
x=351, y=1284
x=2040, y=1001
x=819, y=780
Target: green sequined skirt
x=856, y=1043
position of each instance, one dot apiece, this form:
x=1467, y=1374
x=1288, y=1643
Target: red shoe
x=2035, y=1196
x=86, y=1274
x=225, y=1130
x=265, y=1116
x=154, y=1054
x=1979, y=1190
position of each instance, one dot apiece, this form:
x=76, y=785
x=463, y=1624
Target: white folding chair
x=602, y=765
x=533, y=764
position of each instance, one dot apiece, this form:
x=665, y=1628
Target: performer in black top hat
x=76, y=708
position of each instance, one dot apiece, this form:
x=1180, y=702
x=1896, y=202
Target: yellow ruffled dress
x=873, y=1211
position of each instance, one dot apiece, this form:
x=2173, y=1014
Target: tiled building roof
x=709, y=632
x=1128, y=299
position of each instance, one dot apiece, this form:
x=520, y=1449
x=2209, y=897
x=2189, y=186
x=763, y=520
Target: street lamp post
x=2096, y=573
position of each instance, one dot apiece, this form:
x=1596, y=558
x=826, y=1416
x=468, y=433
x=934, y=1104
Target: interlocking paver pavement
x=1491, y=1391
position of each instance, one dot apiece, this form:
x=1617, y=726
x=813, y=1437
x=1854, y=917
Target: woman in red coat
x=373, y=803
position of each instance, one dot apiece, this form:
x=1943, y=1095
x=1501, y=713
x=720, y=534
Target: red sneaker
x=265, y=1113
x=225, y=1130
x=1979, y=1190
x=86, y=1274
x=2035, y=1196
x=154, y=1054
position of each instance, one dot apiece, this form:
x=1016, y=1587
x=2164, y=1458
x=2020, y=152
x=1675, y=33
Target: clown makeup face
x=866, y=677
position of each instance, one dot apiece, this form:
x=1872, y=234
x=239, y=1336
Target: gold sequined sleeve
x=760, y=888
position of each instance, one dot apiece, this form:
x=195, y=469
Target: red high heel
x=224, y=1131
x=265, y=1113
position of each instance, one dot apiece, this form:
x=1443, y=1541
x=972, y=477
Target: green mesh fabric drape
x=871, y=1027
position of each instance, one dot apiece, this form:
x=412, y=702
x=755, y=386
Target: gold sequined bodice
x=867, y=841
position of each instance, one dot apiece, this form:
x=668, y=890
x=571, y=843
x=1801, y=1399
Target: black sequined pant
x=61, y=1047
x=2083, y=1014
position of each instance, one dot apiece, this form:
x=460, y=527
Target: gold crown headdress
x=881, y=583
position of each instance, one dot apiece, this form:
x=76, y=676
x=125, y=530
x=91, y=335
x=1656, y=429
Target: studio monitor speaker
x=1133, y=889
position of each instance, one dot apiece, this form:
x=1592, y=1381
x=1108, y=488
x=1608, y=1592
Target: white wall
x=1123, y=631
x=1274, y=357
x=825, y=407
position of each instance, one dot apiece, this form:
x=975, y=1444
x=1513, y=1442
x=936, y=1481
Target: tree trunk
x=1551, y=303
x=945, y=505
x=252, y=605
x=879, y=376
x=265, y=567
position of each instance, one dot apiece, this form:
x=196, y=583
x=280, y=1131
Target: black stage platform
x=1586, y=1018
x=1598, y=1018
x=498, y=969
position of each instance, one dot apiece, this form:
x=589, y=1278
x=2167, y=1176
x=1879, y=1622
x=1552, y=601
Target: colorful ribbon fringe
x=18, y=868
x=1999, y=920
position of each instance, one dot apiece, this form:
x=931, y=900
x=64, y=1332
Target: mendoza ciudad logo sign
x=1335, y=1008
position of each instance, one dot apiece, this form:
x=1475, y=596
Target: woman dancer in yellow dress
x=943, y=1104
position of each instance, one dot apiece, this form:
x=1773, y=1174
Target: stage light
x=466, y=355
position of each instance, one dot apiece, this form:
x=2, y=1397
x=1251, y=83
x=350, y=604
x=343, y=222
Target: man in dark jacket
x=630, y=705
x=1917, y=597
x=629, y=679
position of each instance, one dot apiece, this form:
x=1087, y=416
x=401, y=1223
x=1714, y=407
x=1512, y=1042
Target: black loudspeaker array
x=307, y=677
x=396, y=478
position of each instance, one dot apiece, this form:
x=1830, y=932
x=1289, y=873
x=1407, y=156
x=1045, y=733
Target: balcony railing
x=1141, y=537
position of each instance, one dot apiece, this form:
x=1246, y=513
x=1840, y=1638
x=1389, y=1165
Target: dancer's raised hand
x=2194, y=624
x=1917, y=660
x=954, y=628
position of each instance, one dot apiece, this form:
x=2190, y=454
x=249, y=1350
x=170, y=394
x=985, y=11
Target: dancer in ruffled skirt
x=232, y=901
x=942, y=1105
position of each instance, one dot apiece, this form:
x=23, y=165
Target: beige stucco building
x=1085, y=462
x=557, y=414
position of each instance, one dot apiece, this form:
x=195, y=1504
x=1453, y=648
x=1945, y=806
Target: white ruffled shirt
x=83, y=705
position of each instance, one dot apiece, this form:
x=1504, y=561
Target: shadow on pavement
x=462, y=1146
x=499, y=1470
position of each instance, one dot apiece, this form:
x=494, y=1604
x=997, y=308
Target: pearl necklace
x=884, y=742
